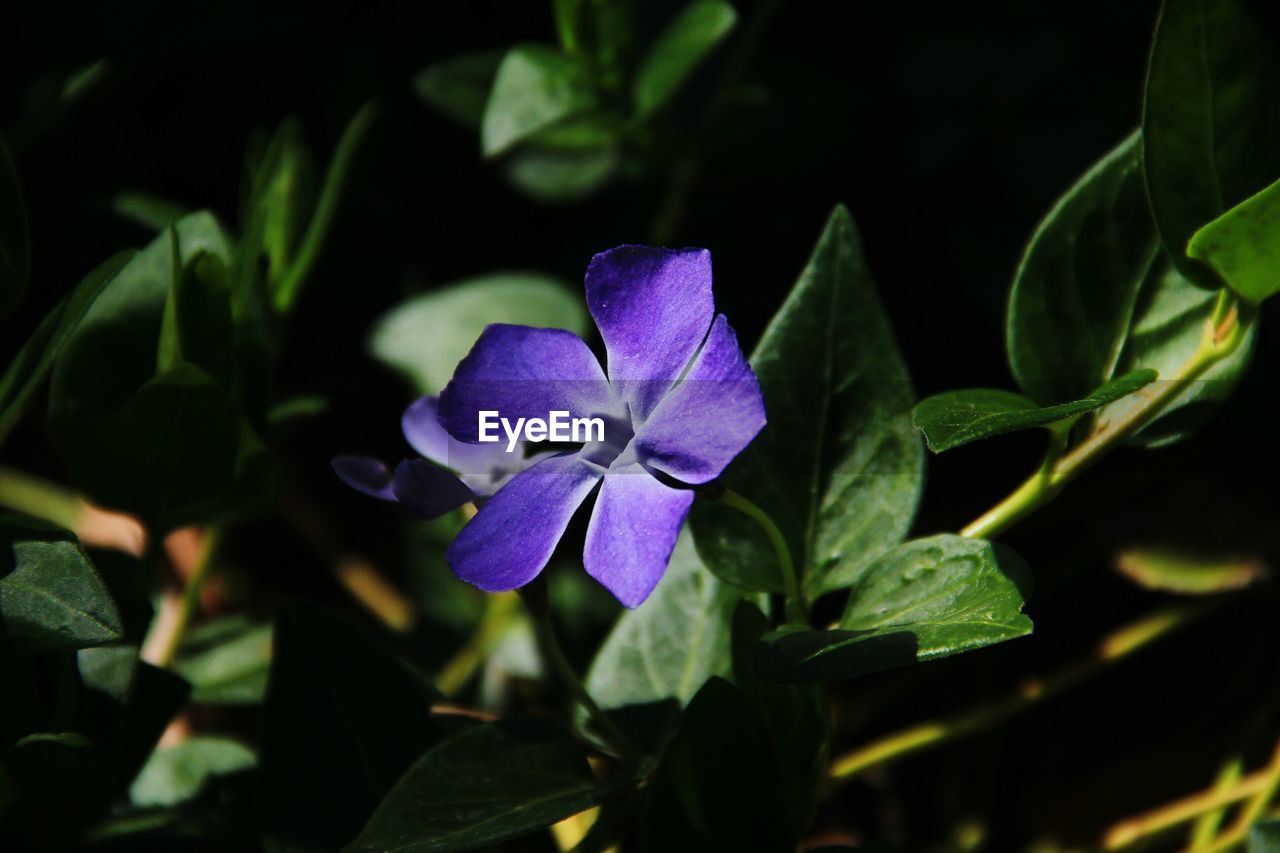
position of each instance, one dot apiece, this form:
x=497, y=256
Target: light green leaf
x=51, y=597
x=1211, y=119
x=560, y=175
x=494, y=782
x=15, y=248
x=149, y=211
x=679, y=49
x=173, y=775
x=1075, y=287
x=227, y=662
x=670, y=645
x=1188, y=574
x=1168, y=326
x=426, y=336
x=959, y=417
x=925, y=599
x=839, y=466
x=1243, y=245
x=535, y=87
x=459, y=86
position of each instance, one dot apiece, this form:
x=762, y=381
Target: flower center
x=618, y=432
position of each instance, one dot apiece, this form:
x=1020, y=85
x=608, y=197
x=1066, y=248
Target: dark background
x=948, y=129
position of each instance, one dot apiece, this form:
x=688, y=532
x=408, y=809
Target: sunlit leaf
x=535, y=87
x=677, y=52
x=1188, y=574
x=1243, y=245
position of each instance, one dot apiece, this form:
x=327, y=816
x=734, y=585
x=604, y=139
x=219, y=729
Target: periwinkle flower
x=679, y=403
x=478, y=470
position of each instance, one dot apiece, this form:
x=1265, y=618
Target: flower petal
x=522, y=372
x=513, y=536
x=365, y=474
x=653, y=307
x=633, y=530
x=479, y=464
x=707, y=419
x=428, y=490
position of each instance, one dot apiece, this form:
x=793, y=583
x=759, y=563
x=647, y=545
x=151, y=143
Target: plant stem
x=539, y=608
x=795, y=604
x=1133, y=830
x=1253, y=810
x=189, y=603
x=1207, y=824
x=39, y=499
x=1112, y=647
x=1224, y=332
x=494, y=621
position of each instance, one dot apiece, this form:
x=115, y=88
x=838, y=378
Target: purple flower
x=470, y=472
x=679, y=403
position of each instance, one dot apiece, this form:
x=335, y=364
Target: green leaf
x=149, y=211
x=343, y=720
x=674, y=642
x=717, y=786
x=535, y=87
x=1264, y=837
x=493, y=782
x=1243, y=245
x=15, y=249
x=959, y=417
x=680, y=48
x=1075, y=287
x=227, y=662
x=839, y=466
x=426, y=336
x=1188, y=574
x=29, y=368
x=1211, y=119
x=459, y=86
x=65, y=782
x=1168, y=326
x=560, y=175
x=51, y=597
x=176, y=774
x=176, y=452
x=795, y=715
x=925, y=599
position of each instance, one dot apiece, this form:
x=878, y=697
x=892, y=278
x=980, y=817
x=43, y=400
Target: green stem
x=493, y=625
x=189, y=603
x=39, y=499
x=334, y=182
x=1253, y=810
x=540, y=614
x=1224, y=332
x=795, y=603
x=1113, y=647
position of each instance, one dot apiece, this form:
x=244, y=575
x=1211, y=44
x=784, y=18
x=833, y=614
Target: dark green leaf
x=227, y=662
x=28, y=369
x=1075, y=287
x=560, y=175
x=535, y=87
x=343, y=720
x=1211, y=119
x=958, y=417
x=51, y=597
x=927, y=598
x=1168, y=326
x=493, y=782
x=717, y=786
x=64, y=782
x=669, y=646
x=173, y=775
x=459, y=86
x=1241, y=245
x=679, y=49
x=1264, y=837
x=839, y=466
x=794, y=715
x=15, y=249
x=426, y=336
